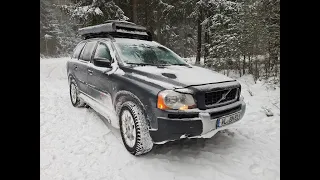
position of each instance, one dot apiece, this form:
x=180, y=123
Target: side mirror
x=102, y=62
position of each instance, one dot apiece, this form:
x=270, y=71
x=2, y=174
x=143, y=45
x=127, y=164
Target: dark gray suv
x=147, y=90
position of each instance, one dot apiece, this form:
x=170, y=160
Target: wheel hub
x=128, y=128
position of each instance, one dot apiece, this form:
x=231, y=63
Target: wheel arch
x=70, y=76
x=124, y=95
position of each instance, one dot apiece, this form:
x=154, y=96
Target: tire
x=75, y=101
x=143, y=142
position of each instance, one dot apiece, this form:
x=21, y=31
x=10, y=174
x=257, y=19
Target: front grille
x=216, y=97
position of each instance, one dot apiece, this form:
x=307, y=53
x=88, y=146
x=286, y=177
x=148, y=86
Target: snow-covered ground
x=76, y=143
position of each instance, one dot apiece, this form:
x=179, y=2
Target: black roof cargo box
x=113, y=28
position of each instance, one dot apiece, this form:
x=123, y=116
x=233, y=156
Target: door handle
x=90, y=71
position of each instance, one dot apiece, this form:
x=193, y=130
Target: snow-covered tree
x=48, y=28
x=92, y=12
x=224, y=30
x=177, y=30
x=197, y=14
x=229, y=34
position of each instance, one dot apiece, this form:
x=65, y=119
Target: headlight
x=169, y=99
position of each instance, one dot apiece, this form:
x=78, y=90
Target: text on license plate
x=225, y=120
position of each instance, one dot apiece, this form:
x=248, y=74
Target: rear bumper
x=203, y=125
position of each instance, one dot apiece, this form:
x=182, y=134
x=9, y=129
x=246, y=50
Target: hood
x=177, y=76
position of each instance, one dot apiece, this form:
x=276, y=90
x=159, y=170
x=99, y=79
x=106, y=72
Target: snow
x=132, y=32
x=136, y=41
x=186, y=75
x=106, y=111
x=77, y=143
x=98, y=11
x=47, y=36
x=192, y=60
x=154, y=81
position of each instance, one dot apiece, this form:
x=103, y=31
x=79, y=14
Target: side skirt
x=101, y=109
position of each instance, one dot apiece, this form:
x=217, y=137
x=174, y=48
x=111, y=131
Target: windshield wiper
x=146, y=64
x=180, y=64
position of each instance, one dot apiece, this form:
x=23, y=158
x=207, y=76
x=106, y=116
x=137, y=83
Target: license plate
x=229, y=119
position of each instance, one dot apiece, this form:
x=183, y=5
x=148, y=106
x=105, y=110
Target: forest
x=241, y=36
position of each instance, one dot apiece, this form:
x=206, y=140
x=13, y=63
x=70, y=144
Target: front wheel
x=134, y=129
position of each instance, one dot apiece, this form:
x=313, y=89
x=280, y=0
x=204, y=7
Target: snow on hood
x=180, y=76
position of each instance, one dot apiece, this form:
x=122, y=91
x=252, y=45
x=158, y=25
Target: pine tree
x=48, y=29
x=225, y=33
x=229, y=34
x=197, y=15
x=93, y=12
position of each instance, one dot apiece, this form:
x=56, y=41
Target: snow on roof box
x=118, y=21
x=114, y=28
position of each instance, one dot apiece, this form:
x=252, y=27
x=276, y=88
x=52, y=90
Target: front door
x=99, y=82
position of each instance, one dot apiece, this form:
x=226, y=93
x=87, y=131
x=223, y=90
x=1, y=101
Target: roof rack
x=114, y=28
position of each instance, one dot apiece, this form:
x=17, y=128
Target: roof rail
x=115, y=28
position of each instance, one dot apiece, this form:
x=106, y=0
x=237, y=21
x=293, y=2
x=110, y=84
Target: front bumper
x=202, y=125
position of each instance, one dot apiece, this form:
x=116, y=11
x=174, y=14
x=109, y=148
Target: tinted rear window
x=78, y=49
x=87, y=51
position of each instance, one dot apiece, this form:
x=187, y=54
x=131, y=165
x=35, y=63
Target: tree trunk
x=268, y=61
x=134, y=10
x=257, y=71
x=158, y=26
x=244, y=65
x=250, y=65
x=184, y=33
x=276, y=65
x=271, y=62
x=47, y=47
x=199, y=37
x=206, y=42
x=224, y=67
x=267, y=67
x=239, y=66
x=146, y=12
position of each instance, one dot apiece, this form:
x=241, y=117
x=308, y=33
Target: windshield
x=142, y=52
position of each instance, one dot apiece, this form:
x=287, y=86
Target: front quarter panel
x=146, y=93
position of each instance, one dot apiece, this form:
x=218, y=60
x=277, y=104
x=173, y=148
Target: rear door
x=75, y=63
x=81, y=67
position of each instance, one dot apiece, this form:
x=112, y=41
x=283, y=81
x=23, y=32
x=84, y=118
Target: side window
x=102, y=51
x=87, y=51
x=77, y=50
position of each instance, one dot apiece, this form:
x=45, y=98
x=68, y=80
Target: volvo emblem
x=224, y=96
